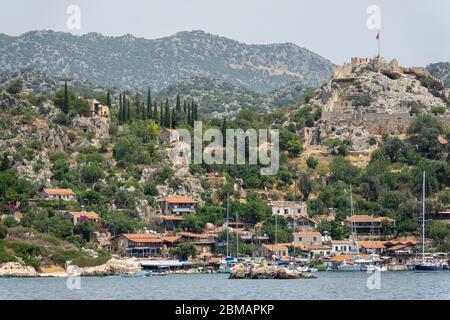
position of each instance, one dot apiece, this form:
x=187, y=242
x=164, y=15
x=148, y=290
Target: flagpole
x=378, y=39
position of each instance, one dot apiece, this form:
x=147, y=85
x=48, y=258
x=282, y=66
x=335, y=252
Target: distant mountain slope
x=137, y=62
x=441, y=70
x=41, y=83
x=215, y=97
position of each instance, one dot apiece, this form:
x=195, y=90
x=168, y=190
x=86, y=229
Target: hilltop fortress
x=367, y=98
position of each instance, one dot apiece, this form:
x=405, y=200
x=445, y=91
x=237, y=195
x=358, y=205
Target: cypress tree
x=161, y=115
x=167, y=114
x=108, y=100
x=189, y=114
x=149, y=104
x=224, y=130
x=125, y=109
x=174, y=119
x=144, y=111
x=195, y=111
x=120, y=109
x=155, y=111
x=178, y=105
x=184, y=106
x=65, y=107
x=128, y=111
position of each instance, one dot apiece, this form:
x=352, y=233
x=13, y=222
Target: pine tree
x=167, y=114
x=174, y=119
x=108, y=100
x=65, y=107
x=161, y=115
x=178, y=105
x=149, y=105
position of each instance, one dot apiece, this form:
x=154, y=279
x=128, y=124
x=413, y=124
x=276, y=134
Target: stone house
x=58, y=194
x=308, y=238
x=82, y=216
x=272, y=250
x=288, y=208
x=177, y=205
x=138, y=245
x=98, y=109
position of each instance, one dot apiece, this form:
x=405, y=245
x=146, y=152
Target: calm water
x=329, y=285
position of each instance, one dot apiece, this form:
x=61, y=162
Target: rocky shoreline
x=110, y=268
x=241, y=271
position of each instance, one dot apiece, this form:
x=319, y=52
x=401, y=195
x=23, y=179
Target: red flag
x=378, y=36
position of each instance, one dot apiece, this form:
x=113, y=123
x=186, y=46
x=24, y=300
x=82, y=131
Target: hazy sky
x=413, y=31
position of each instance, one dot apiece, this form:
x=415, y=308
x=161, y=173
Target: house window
x=314, y=239
x=286, y=211
x=180, y=154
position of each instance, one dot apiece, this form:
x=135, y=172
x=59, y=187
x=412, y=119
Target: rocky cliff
x=368, y=98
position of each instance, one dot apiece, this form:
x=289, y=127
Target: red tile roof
x=340, y=258
x=370, y=244
x=59, y=192
x=195, y=235
x=172, y=218
x=142, y=237
x=366, y=218
x=87, y=214
x=177, y=199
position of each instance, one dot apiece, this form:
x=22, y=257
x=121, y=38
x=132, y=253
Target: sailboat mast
x=423, y=217
x=228, y=211
x=237, y=238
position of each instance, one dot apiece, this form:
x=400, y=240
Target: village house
x=441, y=216
x=301, y=223
x=82, y=216
x=308, y=238
x=172, y=222
x=288, y=208
x=371, y=247
x=138, y=245
x=98, y=109
x=339, y=247
x=177, y=205
x=321, y=250
x=401, y=251
x=203, y=242
x=58, y=194
x=272, y=250
x=368, y=226
x=169, y=136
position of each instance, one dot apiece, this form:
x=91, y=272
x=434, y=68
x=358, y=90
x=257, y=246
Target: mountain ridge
x=157, y=63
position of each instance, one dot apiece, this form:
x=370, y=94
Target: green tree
x=149, y=104
x=185, y=250
x=311, y=162
x=91, y=173
x=167, y=114
x=108, y=100
x=65, y=108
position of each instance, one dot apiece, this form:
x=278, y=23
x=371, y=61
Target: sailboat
x=229, y=262
x=351, y=265
x=428, y=262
